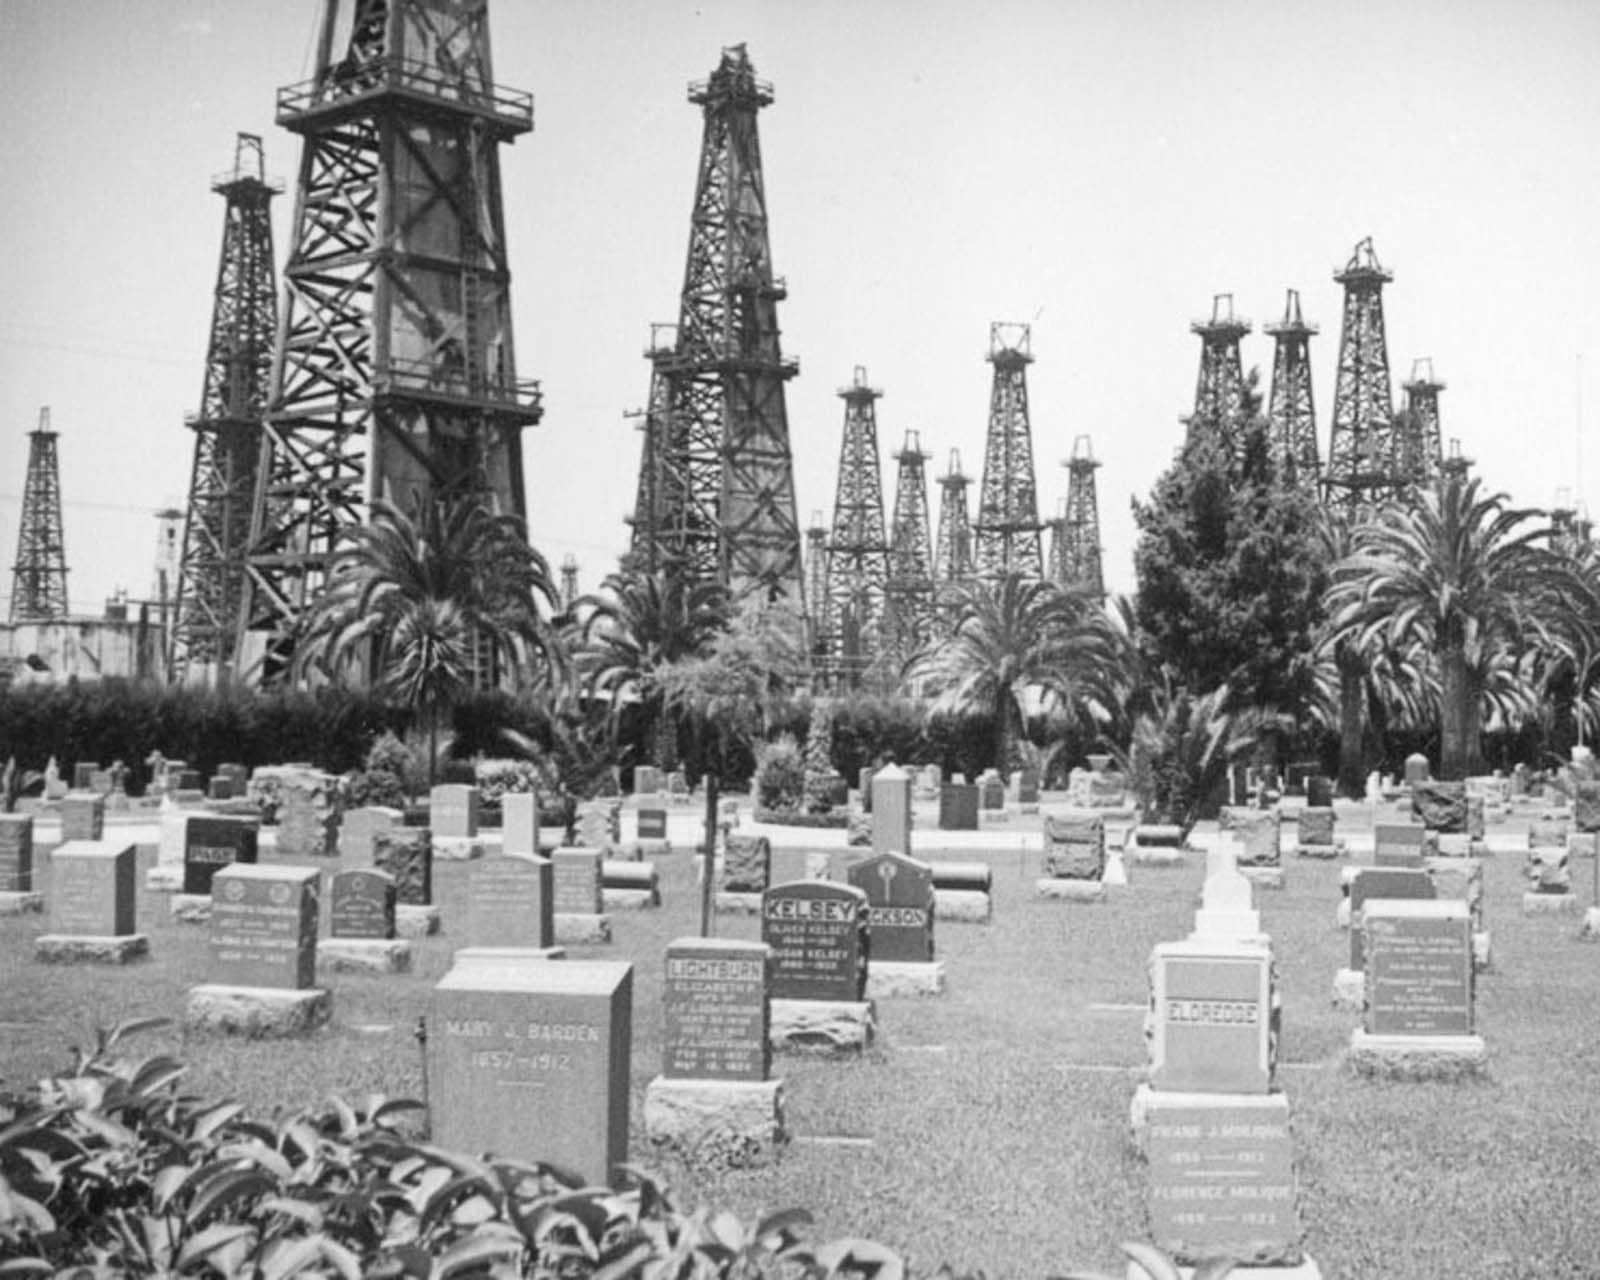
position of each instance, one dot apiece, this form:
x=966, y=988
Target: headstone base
x=457, y=848
x=720, y=1124
x=1063, y=890
x=1156, y=835
x=644, y=850
x=73, y=948
x=412, y=920
x=1590, y=932
x=1350, y=990
x=1154, y=857
x=1417, y=1057
x=888, y=979
x=257, y=1012
x=738, y=904
x=164, y=877
x=630, y=899
x=1551, y=904
x=364, y=955
x=821, y=1026
x=16, y=903
x=1306, y=1270
x=191, y=908
x=574, y=929
x=1583, y=844
x=1325, y=852
x=1263, y=877
x=967, y=905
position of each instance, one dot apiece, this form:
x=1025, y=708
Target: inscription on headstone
x=519, y=822
x=83, y=816
x=716, y=1010
x=16, y=853
x=1075, y=845
x=577, y=881
x=652, y=824
x=900, y=907
x=453, y=811
x=358, y=827
x=818, y=934
x=1397, y=845
x=510, y=902
x=1383, y=883
x=361, y=904
x=1213, y=1015
x=264, y=926
x=210, y=844
x=958, y=807
x=1419, y=968
x=92, y=888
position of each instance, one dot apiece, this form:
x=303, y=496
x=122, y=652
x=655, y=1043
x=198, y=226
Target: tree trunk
x=1458, y=728
x=666, y=745
x=1352, y=707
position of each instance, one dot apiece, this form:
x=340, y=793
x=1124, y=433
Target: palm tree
x=422, y=607
x=1460, y=573
x=641, y=624
x=1020, y=648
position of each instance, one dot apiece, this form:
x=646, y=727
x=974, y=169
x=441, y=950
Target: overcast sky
x=1098, y=168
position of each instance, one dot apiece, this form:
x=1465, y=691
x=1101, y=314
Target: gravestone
x=1226, y=911
x=92, y=889
x=83, y=773
x=1259, y=834
x=83, y=816
x=1075, y=845
x=406, y=853
x=358, y=828
x=100, y=782
x=264, y=926
x=361, y=904
x=308, y=813
x=1382, y=884
x=817, y=931
x=16, y=853
x=891, y=810
x=1440, y=806
x=865, y=778
x=991, y=791
x=652, y=824
x=511, y=902
x=930, y=780
x=54, y=787
x=716, y=1025
x=211, y=843
x=1397, y=845
x=646, y=780
x=219, y=788
x=1417, y=769
x=238, y=776
x=1419, y=969
x=453, y=811
x=958, y=807
x=1586, y=806
x=746, y=865
x=1212, y=1005
x=531, y=1059
x=519, y=823
x=1027, y=788
x=599, y=824
x=899, y=894
x=579, y=896
x=1314, y=827
x=677, y=784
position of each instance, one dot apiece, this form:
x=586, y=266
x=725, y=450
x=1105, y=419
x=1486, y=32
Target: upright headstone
x=264, y=926
x=453, y=811
x=1398, y=844
x=92, y=889
x=532, y=1060
x=54, y=787
x=599, y=824
x=519, y=823
x=1440, y=806
x=83, y=816
x=1586, y=806
x=1259, y=834
x=1417, y=769
x=1314, y=827
x=818, y=934
x=1075, y=845
x=511, y=902
x=747, y=864
x=647, y=780
x=1212, y=1026
x=958, y=807
x=891, y=810
x=677, y=784
x=1319, y=791
x=16, y=853
x=358, y=827
x=991, y=791
x=211, y=843
x=361, y=904
x=652, y=824
x=308, y=813
x=716, y=1010
x=1419, y=969
x=83, y=772
x=899, y=894
x=1027, y=789
x=580, y=896
x=866, y=776
x=1386, y=884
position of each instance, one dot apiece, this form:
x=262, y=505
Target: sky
x=1097, y=168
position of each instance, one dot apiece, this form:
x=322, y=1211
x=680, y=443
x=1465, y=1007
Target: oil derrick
x=569, y=583
x=39, y=578
x=1419, y=447
x=1006, y=540
x=722, y=504
x=858, y=549
x=909, y=590
x=1360, y=468
x=1219, y=388
x=227, y=428
x=1291, y=411
x=952, y=556
x=1055, y=557
x=395, y=374
x=1080, y=566
x=817, y=621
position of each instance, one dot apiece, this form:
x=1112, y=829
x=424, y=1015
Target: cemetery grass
x=988, y=1128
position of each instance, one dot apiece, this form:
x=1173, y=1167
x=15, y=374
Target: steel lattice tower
x=1219, y=387
x=1361, y=448
x=1080, y=565
x=39, y=578
x=1291, y=410
x=227, y=428
x=717, y=467
x=952, y=556
x=818, y=622
x=1007, y=530
x=394, y=376
x=910, y=588
x=858, y=548
x=1418, y=442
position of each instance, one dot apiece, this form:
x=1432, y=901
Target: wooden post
x=710, y=864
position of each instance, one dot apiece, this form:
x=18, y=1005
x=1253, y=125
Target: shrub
x=819, y=776
x=834, y=819
x=389, y=777
x=780, y=774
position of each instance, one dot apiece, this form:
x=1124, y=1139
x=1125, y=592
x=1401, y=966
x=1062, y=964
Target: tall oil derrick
x=1418, y=444
x=724, y=507
x=1219, y=387
x=394, y=375
x=670, y=529
x=39, y=577
x=909, y=591
x=858, y=548
x=227, y=428
x=569, y=582
x=1291, y=409
x=1006, y=540
x=952, y=553
x=1081, y=568
x=818, y=623
x=1055, y=556
x=1360, y=469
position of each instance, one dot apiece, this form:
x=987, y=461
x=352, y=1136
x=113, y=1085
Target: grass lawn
x=989, y=1128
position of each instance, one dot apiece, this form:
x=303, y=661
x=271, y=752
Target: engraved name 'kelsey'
x=810, y=909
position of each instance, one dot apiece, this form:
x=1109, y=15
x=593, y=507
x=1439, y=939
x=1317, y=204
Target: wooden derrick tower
x=952, y=556
x=1219, y=387
x=227, y=427
x=910, y=588
x=1361, y=451
x=857, y=548
x=1080, y=567
x=1418, y=441
x=395, y=374
x=1291, y=409
x=1006, y=540
x=717, y=482
x=39, y=576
